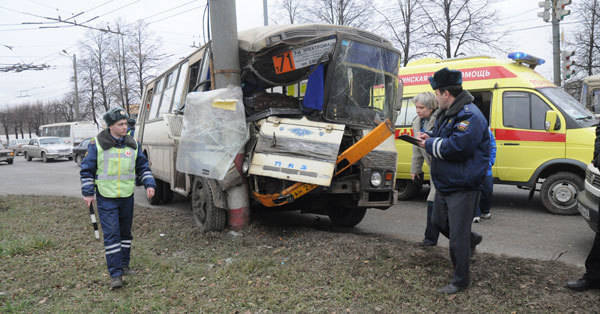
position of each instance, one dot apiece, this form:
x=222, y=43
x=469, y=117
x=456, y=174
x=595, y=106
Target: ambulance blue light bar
x=522, y=57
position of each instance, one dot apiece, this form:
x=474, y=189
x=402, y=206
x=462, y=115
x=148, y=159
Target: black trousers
x=592, y=263
x=453, y=215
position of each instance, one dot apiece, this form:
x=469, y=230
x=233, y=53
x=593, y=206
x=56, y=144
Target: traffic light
x=547, y=5
x=567, y=70
x=560, y=10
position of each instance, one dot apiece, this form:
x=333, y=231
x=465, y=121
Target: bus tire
x=346, y=216
x=407, y=189
x=207, y=216
x=559, y=193
x=157, y=199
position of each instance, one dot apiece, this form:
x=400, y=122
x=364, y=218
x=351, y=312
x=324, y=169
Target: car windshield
x=570, y=106
x=50, y=141
x=364, y=84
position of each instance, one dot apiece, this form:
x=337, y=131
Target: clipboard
x=410, y=139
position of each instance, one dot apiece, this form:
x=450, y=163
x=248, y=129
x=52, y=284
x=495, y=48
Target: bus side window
x=194, y=71
x=156, y=99
x=180, y=92
x=171, y=79
x=407, y=114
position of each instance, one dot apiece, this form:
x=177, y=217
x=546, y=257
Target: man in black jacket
x=591, y=278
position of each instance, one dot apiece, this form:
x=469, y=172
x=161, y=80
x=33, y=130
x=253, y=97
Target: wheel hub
x=564, y=193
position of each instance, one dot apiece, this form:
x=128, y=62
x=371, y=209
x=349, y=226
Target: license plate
x=584, y=212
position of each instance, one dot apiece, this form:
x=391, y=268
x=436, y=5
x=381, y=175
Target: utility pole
x=226, y=69
x=226, y=60
x=556, y=46
x=265, y=12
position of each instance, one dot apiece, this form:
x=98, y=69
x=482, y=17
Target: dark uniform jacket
x=459, y=146
x=107, y=141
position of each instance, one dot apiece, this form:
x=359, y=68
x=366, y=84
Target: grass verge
x=49, y=262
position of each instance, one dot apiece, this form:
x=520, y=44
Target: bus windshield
x=364, y=84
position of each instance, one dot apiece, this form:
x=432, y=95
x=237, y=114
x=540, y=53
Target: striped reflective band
x=436, y=148
x=126, y=244
x=114, y=248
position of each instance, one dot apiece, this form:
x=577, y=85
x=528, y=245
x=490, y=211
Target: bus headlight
x=376, y=179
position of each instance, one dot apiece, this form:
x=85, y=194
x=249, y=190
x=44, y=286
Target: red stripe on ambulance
x=529, y=136
x=469, y=74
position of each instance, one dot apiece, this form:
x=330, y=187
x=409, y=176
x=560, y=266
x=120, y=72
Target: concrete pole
x=226, y=61
x=76, y=89
x=265, y=12
x=555, y=44
x=226, y=69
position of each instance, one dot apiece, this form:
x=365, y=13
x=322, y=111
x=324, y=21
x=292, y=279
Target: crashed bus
x=313, y=118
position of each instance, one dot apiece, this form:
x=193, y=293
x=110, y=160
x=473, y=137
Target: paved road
x=518, y=227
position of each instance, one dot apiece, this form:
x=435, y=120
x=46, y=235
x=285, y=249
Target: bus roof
x=592, y=79
x=480, y=72
x=256, y=39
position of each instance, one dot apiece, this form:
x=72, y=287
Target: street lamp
x=75, y=80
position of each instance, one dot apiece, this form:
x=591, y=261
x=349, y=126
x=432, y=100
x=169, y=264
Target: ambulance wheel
x=346, y=216
x=207, y=216
x=559, y=193
x=407, y=189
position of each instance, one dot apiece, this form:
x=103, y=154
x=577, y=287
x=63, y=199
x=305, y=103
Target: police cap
x=445, y=78
x=115, y=114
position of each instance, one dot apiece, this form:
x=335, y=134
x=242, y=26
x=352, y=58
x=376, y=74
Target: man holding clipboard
x=459, y=146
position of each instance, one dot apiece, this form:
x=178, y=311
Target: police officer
x=131, y=126
x=591, y=278
x=459, y=145
x=108, y=171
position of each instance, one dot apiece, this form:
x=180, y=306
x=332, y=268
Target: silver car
x=48, y=148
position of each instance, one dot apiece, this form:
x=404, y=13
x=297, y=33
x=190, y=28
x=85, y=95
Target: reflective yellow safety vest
x=116, y=171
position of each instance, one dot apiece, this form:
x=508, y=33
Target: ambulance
x=544, y=136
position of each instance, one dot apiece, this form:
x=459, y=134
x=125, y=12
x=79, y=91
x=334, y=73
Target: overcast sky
x=178, y=23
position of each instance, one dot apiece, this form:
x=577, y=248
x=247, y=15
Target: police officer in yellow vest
x=108, y=171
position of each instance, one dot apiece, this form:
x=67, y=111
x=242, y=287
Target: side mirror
x=552, y=121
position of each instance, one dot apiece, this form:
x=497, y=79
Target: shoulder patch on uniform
x=467, y=108
x=463, y=125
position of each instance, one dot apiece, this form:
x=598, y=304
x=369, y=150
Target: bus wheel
x=207, y=216
x=157, y=199
x=559, y=193
x=346, y=216
x=407, y=189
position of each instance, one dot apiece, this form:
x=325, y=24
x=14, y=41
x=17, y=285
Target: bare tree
x=143, y=56
x=587, y=39
x=98, y=50
x=458, y=27
x=287, y=11
x=341, y=12
x=404, y=22
x=89, y=82
x=5, y=119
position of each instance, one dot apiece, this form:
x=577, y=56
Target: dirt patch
x=49, y=261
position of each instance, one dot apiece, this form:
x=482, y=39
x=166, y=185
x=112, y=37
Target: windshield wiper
x=584, y=118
